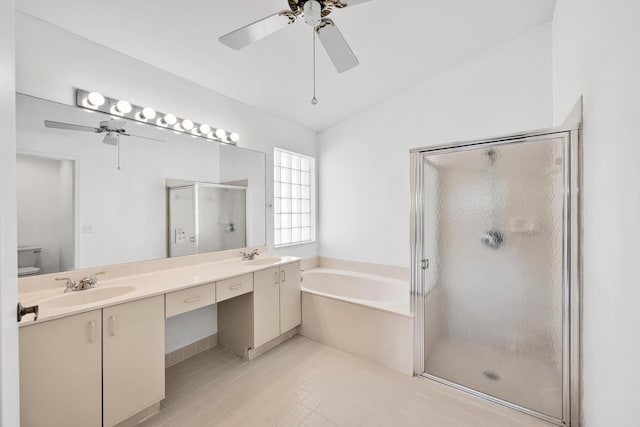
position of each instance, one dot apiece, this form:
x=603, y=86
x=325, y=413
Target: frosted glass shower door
x=494, y=318
x=222, y=220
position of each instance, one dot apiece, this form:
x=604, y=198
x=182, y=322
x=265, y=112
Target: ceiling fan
x=113, y=129
x=315, y=14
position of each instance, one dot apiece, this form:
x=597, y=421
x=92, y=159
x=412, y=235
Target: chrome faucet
x=250, y=256
x=88, y=282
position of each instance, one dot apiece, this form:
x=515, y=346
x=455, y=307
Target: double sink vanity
x=172, y=232
x=97, y=356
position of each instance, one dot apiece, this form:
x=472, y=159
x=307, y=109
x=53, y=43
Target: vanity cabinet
x=276, y=302
x=190, y=299
x=266, y=306
x=105, y=363
x=133, y=358
x=250, y=321
x=60, y=372
x=290, y=297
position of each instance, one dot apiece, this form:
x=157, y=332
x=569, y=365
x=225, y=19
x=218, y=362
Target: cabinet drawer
x=233, y=287
x=189, y=299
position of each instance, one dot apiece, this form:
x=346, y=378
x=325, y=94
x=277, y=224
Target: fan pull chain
x=119, y=152
x=314, y=100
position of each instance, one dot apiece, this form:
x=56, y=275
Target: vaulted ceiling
x=399, y=44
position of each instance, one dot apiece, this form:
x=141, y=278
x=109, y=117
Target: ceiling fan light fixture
x=312, y=13
x=111, y=138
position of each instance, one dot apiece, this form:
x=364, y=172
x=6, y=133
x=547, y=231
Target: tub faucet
x=250, y=256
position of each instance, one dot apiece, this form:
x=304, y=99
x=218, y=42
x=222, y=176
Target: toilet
x=27, y=259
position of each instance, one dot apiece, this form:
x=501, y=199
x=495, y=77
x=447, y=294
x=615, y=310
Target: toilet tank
x=28, y=256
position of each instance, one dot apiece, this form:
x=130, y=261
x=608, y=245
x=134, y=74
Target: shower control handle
x=424, y=264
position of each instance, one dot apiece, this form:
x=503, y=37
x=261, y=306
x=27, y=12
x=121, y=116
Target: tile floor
x=305, y=383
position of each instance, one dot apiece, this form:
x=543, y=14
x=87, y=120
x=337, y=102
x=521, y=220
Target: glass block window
x=292, y=198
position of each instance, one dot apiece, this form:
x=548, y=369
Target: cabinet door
x=290, y=304
x=266, y=306
x=60, y=372
x=133, y=358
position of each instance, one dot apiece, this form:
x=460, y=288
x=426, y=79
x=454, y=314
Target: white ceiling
x=399, y=43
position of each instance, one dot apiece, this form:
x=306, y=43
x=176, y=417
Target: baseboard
x=190, y=350
x=140, y=416
x=252, y=353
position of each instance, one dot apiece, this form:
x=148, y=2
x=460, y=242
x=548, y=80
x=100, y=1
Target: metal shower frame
x=572, y=236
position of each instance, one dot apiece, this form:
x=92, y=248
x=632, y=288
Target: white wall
x=42, y=187
x=364, y=162
x=52, y=62
x=596, y=45
x=9, y=382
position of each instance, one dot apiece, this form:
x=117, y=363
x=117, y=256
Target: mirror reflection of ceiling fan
x=113, y=130
x=315, y=15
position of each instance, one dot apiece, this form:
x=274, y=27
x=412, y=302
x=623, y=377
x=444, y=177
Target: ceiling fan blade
x=336, y=46
x=70, y=126
x=143, y=137
x=353, y=2
x=244, y=36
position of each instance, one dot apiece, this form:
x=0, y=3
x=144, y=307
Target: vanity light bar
x=121, y=108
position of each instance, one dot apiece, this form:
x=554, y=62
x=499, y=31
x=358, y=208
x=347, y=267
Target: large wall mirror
x=84, y=202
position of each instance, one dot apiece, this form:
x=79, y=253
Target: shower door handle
x=424, y=264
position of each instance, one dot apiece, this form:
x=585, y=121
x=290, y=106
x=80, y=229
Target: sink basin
x=88, y=296
x=264, y=261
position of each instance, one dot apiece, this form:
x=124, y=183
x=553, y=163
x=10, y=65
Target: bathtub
x=363, y=314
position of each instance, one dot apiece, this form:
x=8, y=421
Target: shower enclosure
x=206, y=217
x=495, y=283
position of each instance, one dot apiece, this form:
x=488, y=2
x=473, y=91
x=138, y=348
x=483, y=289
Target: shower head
x=493, y=239
x=492, y=155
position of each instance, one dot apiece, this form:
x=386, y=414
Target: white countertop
x=144, y=285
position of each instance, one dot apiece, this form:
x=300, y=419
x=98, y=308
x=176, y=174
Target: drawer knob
x=235, y=286
x=190, y=300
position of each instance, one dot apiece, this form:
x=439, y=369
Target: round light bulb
x=187, y=124
x=234, y=137
x=170, y=119
x=148, y=113
x=220, y=133
x=204, y=129
x=123, y=107
x=95, y=99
